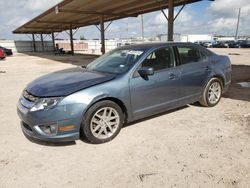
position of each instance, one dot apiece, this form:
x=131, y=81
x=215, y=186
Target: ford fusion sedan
x=124, y=85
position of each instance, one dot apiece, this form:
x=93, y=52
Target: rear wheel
x=102, y=122
x=212, y=93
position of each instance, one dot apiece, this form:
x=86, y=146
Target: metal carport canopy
x=72, y=14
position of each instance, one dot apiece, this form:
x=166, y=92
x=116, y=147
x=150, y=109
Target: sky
x=218, y=17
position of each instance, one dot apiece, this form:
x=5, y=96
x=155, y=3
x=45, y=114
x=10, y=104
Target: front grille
x=27, y=127
x=29, y=96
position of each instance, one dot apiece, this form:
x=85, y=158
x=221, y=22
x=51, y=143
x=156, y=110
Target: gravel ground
x=192, y=146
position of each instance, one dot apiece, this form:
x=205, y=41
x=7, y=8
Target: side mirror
x=146, y=71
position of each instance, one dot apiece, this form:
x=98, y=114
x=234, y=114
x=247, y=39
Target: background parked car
x=224, y=44
x=7, y=51
x=221, y=45
x=210, y=44
x=244, y=44
x=2, y=54
x=234, y=44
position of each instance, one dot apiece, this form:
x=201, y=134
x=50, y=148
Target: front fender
x=86, y=98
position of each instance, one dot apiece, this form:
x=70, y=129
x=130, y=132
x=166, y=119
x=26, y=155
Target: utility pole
x=127, y=30
x=142, y=28
x=237, y=27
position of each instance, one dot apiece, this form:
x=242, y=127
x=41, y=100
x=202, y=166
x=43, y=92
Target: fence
x=26, y=46
x=80, y=46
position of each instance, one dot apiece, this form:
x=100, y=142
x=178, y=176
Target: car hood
x=66, y=82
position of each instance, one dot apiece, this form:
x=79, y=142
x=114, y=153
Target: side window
x=189, y=55
x=160, y=59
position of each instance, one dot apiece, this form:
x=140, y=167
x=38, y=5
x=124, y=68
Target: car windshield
x=117, y=61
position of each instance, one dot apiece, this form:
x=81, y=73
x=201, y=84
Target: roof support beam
x=45, y=29
x=57, y=22
x=108, y=25
x=164, y=14
x=36, y=36
x=90, y=12
x=98, y=27
x=102, y=29
x=179, y=12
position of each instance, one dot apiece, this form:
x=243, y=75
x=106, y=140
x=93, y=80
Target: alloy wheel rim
x=214, y=92
x=104, y=123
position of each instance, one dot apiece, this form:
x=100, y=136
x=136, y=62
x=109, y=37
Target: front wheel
x=102, y=122
x=212, y=93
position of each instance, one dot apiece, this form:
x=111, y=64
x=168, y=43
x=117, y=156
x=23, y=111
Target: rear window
x=206, y=51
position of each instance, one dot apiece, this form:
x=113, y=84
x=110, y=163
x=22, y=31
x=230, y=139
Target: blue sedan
x=124, y=85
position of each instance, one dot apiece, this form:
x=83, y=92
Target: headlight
x=45, y=103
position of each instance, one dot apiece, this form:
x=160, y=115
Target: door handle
x=172, y=76
x=208, y=69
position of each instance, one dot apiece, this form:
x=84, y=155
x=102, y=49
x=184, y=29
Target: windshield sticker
x=133, y=52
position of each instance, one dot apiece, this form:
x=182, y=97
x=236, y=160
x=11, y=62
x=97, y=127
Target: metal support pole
x=42, y=43
x=142, y=28
x=71, y=40
x=53, y=40
x=237, y=27
x=170, y=20
x=102, y=29
x=33, y=42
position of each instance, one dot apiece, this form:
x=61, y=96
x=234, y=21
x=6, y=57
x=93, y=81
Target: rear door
x=195, y=69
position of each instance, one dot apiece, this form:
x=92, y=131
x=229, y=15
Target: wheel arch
x=119, y=102
x=221, y=78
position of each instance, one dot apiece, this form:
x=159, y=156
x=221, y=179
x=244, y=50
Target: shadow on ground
x=77, y=59
x=240, y=73
x=155, y=116
x=52, y=144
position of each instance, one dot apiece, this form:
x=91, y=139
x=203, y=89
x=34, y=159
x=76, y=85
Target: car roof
x=150, y=45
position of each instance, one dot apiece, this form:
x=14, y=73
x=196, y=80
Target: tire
x=210, y=97
x=100, y=119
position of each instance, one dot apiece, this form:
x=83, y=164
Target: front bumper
x=30, y=133
x=61, y=116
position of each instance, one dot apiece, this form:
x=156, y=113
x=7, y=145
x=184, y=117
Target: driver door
x=157, y=92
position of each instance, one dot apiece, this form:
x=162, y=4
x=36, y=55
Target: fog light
x=49, y=129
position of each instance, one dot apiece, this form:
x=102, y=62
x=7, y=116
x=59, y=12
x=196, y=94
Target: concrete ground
x=192, y=146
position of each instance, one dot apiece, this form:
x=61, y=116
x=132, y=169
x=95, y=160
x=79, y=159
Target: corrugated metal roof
x=80, y=13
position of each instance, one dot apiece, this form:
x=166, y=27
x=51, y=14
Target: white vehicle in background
x=210, y=44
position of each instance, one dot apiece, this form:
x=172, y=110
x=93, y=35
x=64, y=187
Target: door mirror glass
x=146, y=71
